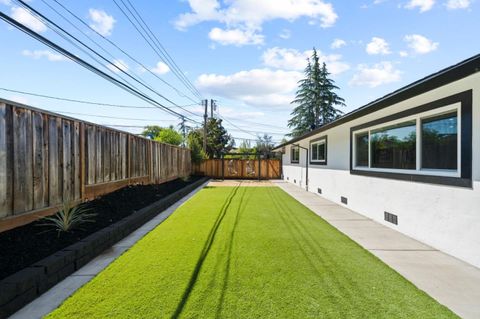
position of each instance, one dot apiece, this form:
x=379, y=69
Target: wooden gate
x=240, y=168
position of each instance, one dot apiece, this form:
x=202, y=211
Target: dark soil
x=25, y=245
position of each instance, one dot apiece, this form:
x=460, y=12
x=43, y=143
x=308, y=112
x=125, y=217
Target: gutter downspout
x=306, y=165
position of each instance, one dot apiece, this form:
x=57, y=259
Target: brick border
x=26, y=285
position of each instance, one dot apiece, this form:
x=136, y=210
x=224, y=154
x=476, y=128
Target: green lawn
x=248, y=253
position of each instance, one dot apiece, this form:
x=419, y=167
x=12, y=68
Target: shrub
x=69, y=218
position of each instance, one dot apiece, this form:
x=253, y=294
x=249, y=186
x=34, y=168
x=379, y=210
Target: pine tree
x=315, y=99
x=302, y=113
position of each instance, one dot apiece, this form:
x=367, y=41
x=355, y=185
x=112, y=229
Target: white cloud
x=420, y=44
x=458, y=4
x=6, y=2
x=234, y=113
x=160, y=68
x=101, y=21
x=291, y=59
x=285, y=34
x=235, y=37
x=255, y=13
x=26, y=18
x=38, y=54
x=338, y=43
x=403, y=54
x=257, y=87
x=376, y=75
x=378, y=46
x=249, y=15
x=423, y=5
x=118, y=65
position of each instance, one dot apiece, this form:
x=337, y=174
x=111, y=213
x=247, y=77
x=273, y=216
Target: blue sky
x=246, y=54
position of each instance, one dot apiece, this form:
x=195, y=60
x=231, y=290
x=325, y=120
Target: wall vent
x=319, y=190
x=391, y=218
x=344, y=200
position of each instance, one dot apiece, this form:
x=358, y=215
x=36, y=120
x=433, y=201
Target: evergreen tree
x=218, y=139
x=302, y=113
x=315, y=99
x=194, y=143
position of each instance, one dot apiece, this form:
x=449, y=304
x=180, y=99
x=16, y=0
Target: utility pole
x=213, y=107
x=205, y=116
x=184, y=131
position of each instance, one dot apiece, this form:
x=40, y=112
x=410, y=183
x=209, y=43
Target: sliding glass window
x=394, y=146
x=427, y=143
x=440, y=142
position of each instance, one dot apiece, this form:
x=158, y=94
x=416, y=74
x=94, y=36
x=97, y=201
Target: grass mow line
x=204, y=253
x=302, y=235
x=248, y=253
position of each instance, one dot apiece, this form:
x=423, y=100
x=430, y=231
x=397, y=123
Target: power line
x=78, y=101
x=156, y=49
x=169, y=57
x=258, y=132
x=57, y=29
x=255, y=123
x=111, y=117
x=180, y=93
x=85, y=64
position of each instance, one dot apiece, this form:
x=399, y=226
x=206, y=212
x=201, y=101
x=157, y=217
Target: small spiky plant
x=69, y=218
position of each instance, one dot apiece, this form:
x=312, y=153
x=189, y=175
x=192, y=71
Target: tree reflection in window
x=394, y=146
x=361, y=149
x=440, y=142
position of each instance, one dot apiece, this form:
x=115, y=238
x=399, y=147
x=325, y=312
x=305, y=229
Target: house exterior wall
x=444, y=217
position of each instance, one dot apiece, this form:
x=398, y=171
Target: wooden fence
x=46, y=159
x=240, y=168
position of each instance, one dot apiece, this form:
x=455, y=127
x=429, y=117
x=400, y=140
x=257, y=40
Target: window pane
x=361, y=149
x=295, y=154
x=439, y=142
x=314, y=152
x=321, y=152
x=394, y=146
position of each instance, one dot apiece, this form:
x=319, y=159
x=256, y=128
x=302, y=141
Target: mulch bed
x=25, y=245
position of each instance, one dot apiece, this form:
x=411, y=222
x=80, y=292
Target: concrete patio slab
x=450, y=281
x=54, y=297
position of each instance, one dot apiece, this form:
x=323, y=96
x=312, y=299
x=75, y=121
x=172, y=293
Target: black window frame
x=437, y=117
x=325, y=138
x=292, y=161
x=465, y=179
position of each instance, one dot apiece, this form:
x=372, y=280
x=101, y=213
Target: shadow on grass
x=240, y=210
x=306, y=237
x=204, y=253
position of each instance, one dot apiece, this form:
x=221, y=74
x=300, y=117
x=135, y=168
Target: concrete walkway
x=450, y=281
x=54, y=297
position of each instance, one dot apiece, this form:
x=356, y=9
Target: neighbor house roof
x=435, y=80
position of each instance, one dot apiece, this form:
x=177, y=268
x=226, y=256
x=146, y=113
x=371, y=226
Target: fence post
x=223, y=168
x=82, y=161
x=259, y=167
x=129, y=158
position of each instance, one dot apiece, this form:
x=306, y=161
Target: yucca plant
x=69, y=218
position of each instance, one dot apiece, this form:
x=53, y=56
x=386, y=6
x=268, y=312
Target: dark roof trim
x=433, y=81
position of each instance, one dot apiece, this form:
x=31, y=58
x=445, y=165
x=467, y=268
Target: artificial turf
x=248, y=252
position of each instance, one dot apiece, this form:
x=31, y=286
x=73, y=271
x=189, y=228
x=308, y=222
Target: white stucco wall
x=445, y=217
